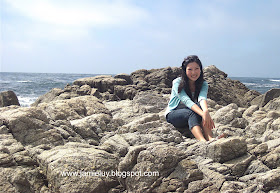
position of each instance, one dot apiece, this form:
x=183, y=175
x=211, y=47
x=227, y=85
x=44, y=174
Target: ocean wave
x=25, y=101
x=24, y=81
x=274, y=80
x=4, y=82
x=271, y=85
x=266, y=85
x=250, y=84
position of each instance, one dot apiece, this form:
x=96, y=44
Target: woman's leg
x=208, y=134
x=195, y=126
x=195, y=119
x=186, y=117
x=196, y=131
x=178, y=118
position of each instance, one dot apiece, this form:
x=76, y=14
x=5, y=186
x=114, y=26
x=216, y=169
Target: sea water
x=29, y=86
x=261, y=85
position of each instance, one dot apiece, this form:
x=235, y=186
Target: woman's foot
x=223, y=135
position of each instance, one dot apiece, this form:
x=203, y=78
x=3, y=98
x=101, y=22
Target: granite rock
x=8, y=98
x=117, y=125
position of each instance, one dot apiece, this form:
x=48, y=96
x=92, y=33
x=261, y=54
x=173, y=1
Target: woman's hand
x=207, y=121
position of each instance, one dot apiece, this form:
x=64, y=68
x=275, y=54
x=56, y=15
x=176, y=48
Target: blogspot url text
x=107, y=174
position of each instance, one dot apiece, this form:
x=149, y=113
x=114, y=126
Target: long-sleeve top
x=176, y=97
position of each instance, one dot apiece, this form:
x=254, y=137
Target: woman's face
x=193, y=71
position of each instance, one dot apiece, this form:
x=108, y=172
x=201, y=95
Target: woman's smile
x=193, y=71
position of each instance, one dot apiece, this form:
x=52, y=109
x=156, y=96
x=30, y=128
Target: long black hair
x=184, y=84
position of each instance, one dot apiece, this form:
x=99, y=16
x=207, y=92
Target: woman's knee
x=194, y=120
x=177, y=120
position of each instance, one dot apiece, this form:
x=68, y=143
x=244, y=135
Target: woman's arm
x=182, y=95
x=206, y=118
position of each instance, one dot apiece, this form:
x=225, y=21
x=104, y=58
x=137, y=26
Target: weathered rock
x=256, y=166
x=149, y=102
x=30, y=126
x=229, y=115
x=272, y=159
x=259, y=128
x=259, y=149
x=160, y=159
x=248, y=113
x=258, y=116
x=74, y=108
x=128, y=110
x=8, y=98
x=212, y=172
x=186, y=171
x=93, y=127
x=117, y=125
x=199, y=185
x=123, y=86
x=232, y=186
x=273, y=104
x=116, y=144
x=22, y=179
x=239, y=165
x=225, y=91
x=49, y=96
x=18, y=170
x=125, y=92
x=78, y=167
x=123, y=110
x=125, y=77
x=269, y=180
x=262, y=100
x=103, y=82
x=226, y=149
x=162, y=78
x=274, y=143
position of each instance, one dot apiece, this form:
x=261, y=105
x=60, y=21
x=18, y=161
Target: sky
x=241, y=38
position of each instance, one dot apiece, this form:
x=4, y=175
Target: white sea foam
x=26, y=101
x=267, y=86
x=24, y=81
x=250, y=84
x=5, y=81
x=274, y=80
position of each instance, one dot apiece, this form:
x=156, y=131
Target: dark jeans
x=185, y=117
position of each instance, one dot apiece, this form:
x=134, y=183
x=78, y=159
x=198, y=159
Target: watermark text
x=107, y=174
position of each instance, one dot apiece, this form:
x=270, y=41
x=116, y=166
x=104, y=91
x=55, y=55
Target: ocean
x=29, y=86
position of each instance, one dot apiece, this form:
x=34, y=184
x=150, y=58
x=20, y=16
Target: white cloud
x=66, y=20
x=79, y=13
x=22, y=45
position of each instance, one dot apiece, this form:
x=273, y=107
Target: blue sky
x=240, y=37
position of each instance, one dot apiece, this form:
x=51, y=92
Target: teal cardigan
x=176, y=97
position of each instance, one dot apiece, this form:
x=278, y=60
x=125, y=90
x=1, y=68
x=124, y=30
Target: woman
x=188, y=101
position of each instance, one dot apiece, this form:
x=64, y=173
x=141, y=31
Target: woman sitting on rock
x=187, y=106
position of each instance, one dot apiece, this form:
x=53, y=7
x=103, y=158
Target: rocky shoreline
x=117, y=125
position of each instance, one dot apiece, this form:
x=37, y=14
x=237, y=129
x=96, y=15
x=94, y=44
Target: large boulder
x=157, y=161
x=8, y=98
x=19, y=171
x=77, y=167
x=273, y=104
x=74, y=108
x=225, y=91
x=123, y=86
x=263, y=99
x=103, y=82
x=221, y=150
